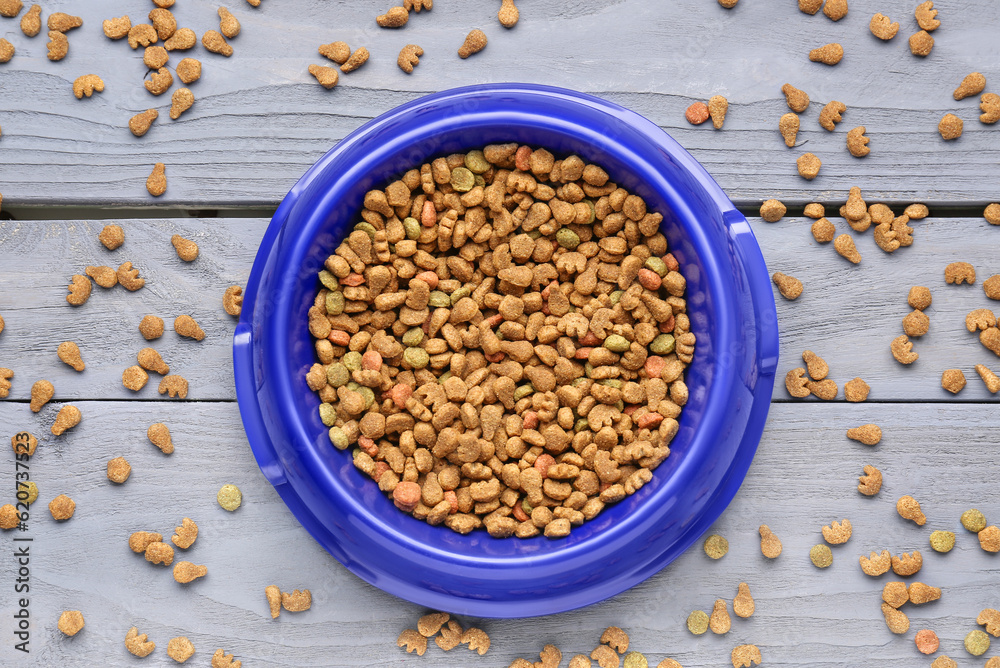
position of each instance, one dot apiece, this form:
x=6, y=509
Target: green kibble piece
x=611, y=382
x=523, y=391
x=716, y=546
x=444, y=377
x=593, y=213
x=635, y=660
x=352, y=360
x=973, y=520
x=616, y=296
x=416, y=357
x=476, y=162
x=620, y=405
x=977, y=643
x=459, y=294
x=440, y=299
x=337, y=375
x=413, y=337
x=942, y=541
x=821, y=556
x=588, y=369
x=581, y=425
x=567, y=238
x=616, y=343
x=462, y=179
x=368, y=395
x=27, y=492
x=657, y=265
x=335, y=302
x=526, y=507
x=229, y=497
x=338, y=438
x=663, y=344
x=328, y=414
x=480, y=181
x=697, y=622
x=367, y=228
x=411, y=226
x=352, y=386
x=535, y=234
x=328, y=280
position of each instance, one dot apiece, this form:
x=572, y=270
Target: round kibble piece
x=919, y=297
x=989, y=539
x=635, y=660
x=977, y=643
x=230, y=497
x=927, y=641
x=697, y=622
x=808, y=165
x=716, y=546
x=71, y=622
x=772, y=210
x=697, y=113
x=916, y=323
x=823, y=231
x=118, y=470
x=973, y=520
x=821, y=556
x=942, y=541
x=950, y=127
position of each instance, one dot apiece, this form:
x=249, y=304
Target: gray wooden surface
x=260, y=119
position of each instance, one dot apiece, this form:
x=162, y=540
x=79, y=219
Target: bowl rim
x=300, y=500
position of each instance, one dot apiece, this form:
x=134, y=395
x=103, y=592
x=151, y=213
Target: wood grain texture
x=804, y=477
x=260, y=119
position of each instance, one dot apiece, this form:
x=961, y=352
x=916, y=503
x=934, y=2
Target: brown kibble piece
x=883, y=27
x=508, y=14
x=163, y=22
x=31, y=22
x=187, y=250
x=24, y=443
x=823, y=231
x=921, y=593
x=989, y=104
x=870, y=483
x=142, y=34
x=990, y=337
x=602, y=654
x=831, y=115
x=186, y=326
x=396, y=17
x=68, y=417
x=150, y=360
x=58, y=45
x=412, y=641
x=835, y=9
x=112, y=236
x=742, y=656
x=770, y=545
x=816, y=365
x=155, y=57
x=180, y=649
x=409, y=57
x=916, y=211
x=810, y=6
x=475, y=42
x=5, y=376
x=41, y=393
x=895, y=594
x=477, y=640
x=159, y=435
x=6, y=50
x=185, y=572
x=960, y=272
x=326, y=76
x=837, y=533
x=950, y=127
x=916, y=323
x=919, y=297
x=174, y=386
x=697, y=113
x=844, y=245
x=220, y=659
x=140, y=540
x=856, y=390
x=795, y=383
x=338, y=52
x=909, y=509
x=181, y=101
x=9, y=517
x=921, y=43
x=451, y=636
x=828, y=54
x=62, y=508
x=357, y=59
x=991, y=380
x=876, y=564
x=857, y=142
x=79, y=290
x=953, y=380
x=119, y=470
x=788, y=126
x=159, y=553
x=185, y=534
x=869, y=434
x=156, y=183
x=925, y=15
x=297, y=600
x=772, y=210
x=140, y=123
x=990, y=619
x=907, y=564
x=789, y=286
x=62, y=22
x=719, y=621
x=743, y=604
x=808, y=165
x=70, y=621
x=430, y=624
x=134, y=378
x=896, y=620
x=823, y=389
x=229, y=25
x=189, y=70
x=216, y=43
x=814, y=210
x=991, y=286
x=232, y=300
x=138, y=643
x=182, y=40
x=151, y=327
x=902, y=350
x=797, y=100
x=717, y=108
x=273, y=595
x=86, y=85
x=972, y=84
x=616, y=639
x=159, y=82
x=117, y=28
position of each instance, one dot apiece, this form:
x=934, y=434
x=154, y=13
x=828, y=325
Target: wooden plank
x=804, y=476
x=261, y=120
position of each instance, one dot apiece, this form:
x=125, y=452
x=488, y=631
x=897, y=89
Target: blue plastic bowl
x=732, y=313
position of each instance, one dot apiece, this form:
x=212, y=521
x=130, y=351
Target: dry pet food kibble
x=112, y=236
x=71, y=622
x=876, y=564
x=797, y=100
x=409, y=57
x=789, y=286
x=159, y=435
x=180, y=101
x=953, y=380
x=10, y=8
x=134, y=378
x=831, y=115
x=180, y=649
x=919, y=297
x=24, y=443
x=296, y=601
x=156, y=182
x=159, y=553
x=273, y=595
x=5, y=376
x=187, y=250
x=973, y=520
x=944, y=661
x=140, y=540
x=106, y=277
x=828, y=54
x=989, y=104
x=906, y=564
x=475, y=42
x=909, y=509
x=189, y=70
x=989, y=539
x=119, y=470
x=916, y=324
x=615, y=638
x=697, y=113
x=844, y=245
x=86, y=85
x=869, y=434
x=220, y=659
x=155, y=57
x=717, y=108
x=185, y=572
x=772, y=210
x=883, y=27
x=925, y=15
x=902, y=349
x=837, y=533
x=972, y=84
x=216, y=43
x=895, y=594
x=823, y=231
x=697, y=622
x=58, y=46
x=808, y=165
x=229, y=25
x=990, y=379
x=142, y=34
x=991, y=286
x=185, y=535
x=117, y=28
x=68, y=417
x=942, y=541
x=977, y=643
x=770, y=545
x=62, y=508
x=412, y=642
x=821, y=556
x=926, y=641
x=950, y=127
x=232, y=300
x=357, y=59
x=326, y=76
x=229, y=497
x=745, y=656
x=138, y=643
x=716, y=546
x=990, y=618
x=921, y=593
x=338, y=52
x=9, y=517
x=795, y=383
x=41, y=393
x=896, y=620
x=128, y=277
x=79, y=290
x=921, y=43
x=856, y=390
x=743, y=604
x=31, y=22
x=150, y=360
x=857, y=142
x=788, y=126
x=62, y=22
x=396, y=17
x=173, y=386
x=186, y=326
x=508, y=14
x=719, y=621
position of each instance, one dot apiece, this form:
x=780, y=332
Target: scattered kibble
x=907, y=563
x=31, y=22
x=823, y=231
x=989, y=104
x=180, y=649
x=186, y=326
x=326, y=76
x=616, y=638
x=717, y=108
x=977, y=643
x=138, y=644
x=857, y=142
x=174, y=386
x=189, y=70
x=950, y=127
x=896, y=620
x=828, y=54
x=921, y=43
x=5, y=384
x=837, y=533
x=944, y=661
x=927, y=641
x=697, y=622
x=795, y=383
x=232, y=300
x=719, y=621
x=716, y=546
x=86, y=85
x=106, y=277
x=159, y=435
x=808, y=165
x=743, y=604
x=338, y=52
x=182, y=40
x=475, y=42
x=155, y=57
x=697, y=113
x=135, y=378
x=989, y=539
x=79, y=290
x=921, y=593
x=357, y=59
x=9, y=517
x=770, y=544
x=772, y=210
x=990, y=618
x=230, y=497
x=868, y=434
x=71, y=622
x=821, y=556
x=788, y=126
x=844, y=245
x=875, y=564
x=789, y=286
x=396, y=17
x=412, y=642
x=883, y=27
x=58, y=46
x=856, y=390
x=635, y=660
x=159, y=82
x=180, y=101
x=990, y=379
x=953, y=380
x=895, y=594
x=942, y=541
x=972, y=84
x=214, y=41
x=797, y=100
x=185, y=572
x=185, y=534
x=831, y=115
x=508, y=14
x=409, y=57
x=925, y=15
x=68, y=417
x=159, y=553
x=41, y=393
x=273, y=595
x=220, y=659
x=140, y=540
x=902, y=349
x=745, y=656
x=156, y=183
x=229, y=25
x=835, y=9
x=909, y=509
x=973, y=520
x=62, y=508
x=119, y=470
